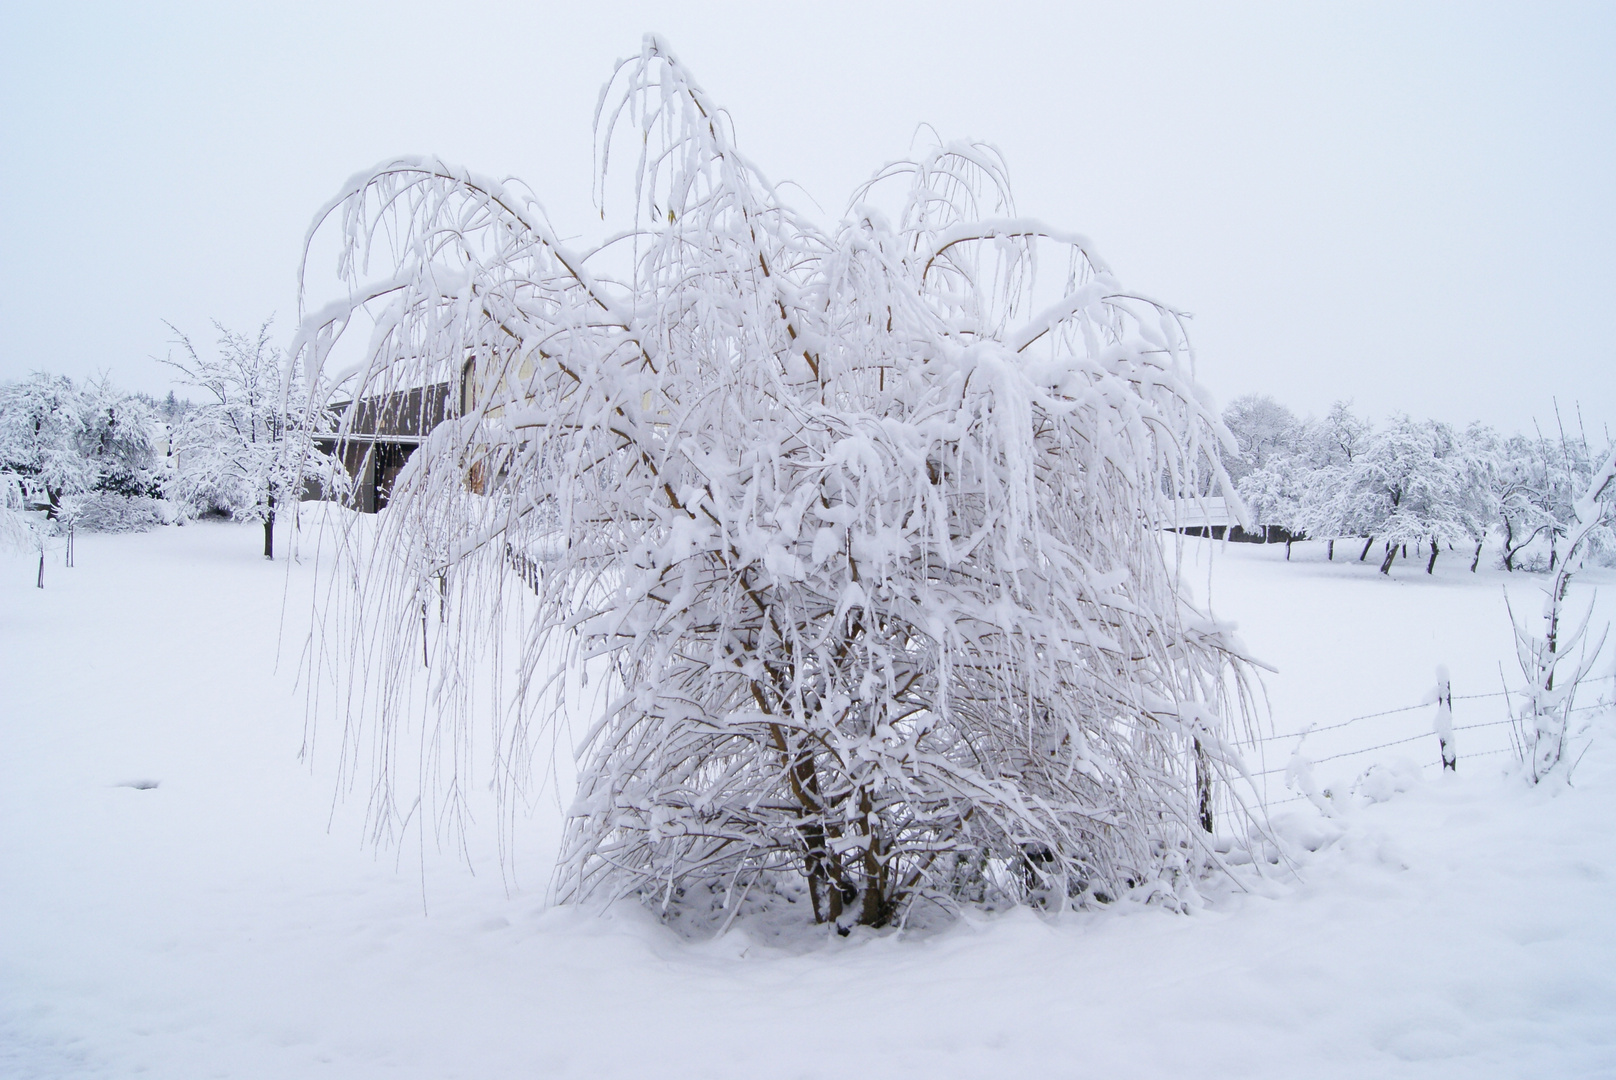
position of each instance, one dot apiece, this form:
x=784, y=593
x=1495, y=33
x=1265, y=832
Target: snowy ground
x=179, y=896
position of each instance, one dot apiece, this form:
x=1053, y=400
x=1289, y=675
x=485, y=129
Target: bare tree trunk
x=1364, y=554
x=1386, y=564
x=1203, y=786
x=1432, y=561
x=41, y=568
x=269, y=532
x=1329, y=551
x=1477, y=560
x=1287, y=549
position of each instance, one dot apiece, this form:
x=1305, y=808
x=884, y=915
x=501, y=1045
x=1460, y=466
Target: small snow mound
x=1380, y=782
x=139, y=785
x=1306, y=831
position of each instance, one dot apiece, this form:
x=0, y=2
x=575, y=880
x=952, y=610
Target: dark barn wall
x=376, y=436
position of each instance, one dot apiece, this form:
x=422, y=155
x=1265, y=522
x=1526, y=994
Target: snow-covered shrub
x=1381, y=781
x=105, y=511
x=859, y=523
x=1551, y=688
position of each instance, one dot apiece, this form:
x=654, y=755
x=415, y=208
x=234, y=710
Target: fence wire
x=1300, y=736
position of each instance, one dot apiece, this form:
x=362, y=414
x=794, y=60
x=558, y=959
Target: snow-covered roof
x=1211, y=511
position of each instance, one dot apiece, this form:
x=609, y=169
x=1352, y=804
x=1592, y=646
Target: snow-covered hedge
x=105, y=511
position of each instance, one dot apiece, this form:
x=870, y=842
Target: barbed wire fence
x=1513, y=721
x=528, y=569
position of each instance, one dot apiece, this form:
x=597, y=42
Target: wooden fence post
x=1443, y=725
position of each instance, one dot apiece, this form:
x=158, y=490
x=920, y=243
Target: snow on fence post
x=1443, y=724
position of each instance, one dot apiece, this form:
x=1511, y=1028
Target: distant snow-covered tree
x=1274, y=493
x=1476, y=464
x=249, y=447
x=42, y=430
x=1304, y=483
x=1536, y=488
x=118, y=439
x=1263, y=430
x=859, y=523
x=118, y=442
x=1524, y=494
x=90, y=448
x=1418, y=482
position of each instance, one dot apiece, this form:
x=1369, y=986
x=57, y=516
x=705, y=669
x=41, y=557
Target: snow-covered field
x=180, y=896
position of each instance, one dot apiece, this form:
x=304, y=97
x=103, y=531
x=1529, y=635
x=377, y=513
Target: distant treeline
x=1414, y=482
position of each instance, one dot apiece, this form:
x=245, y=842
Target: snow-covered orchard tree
x=249, y=447
x=1536, y=487
x=1476, y=464
x=1273, y=494
x=860, y=525
x=1418, y=482
x=1263, y=430
x=1525, y=496
x=1271, y=470
x=1303, y=482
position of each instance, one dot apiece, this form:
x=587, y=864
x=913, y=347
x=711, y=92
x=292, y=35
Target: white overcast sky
x=1410, y=206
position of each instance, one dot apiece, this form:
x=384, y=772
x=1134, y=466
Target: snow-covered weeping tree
x=864, y=525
